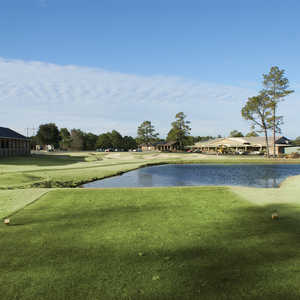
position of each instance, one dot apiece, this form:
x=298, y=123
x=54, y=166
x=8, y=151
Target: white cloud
x=97, y=100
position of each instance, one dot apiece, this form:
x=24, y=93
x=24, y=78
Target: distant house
x=148, y=147
x=160, y=146
x=168, y=147
x=13, y=143
x=246, y=144
x=48, y=148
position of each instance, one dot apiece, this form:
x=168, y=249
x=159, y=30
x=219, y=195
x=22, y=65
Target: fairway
x=144, y=243
x=163, y=243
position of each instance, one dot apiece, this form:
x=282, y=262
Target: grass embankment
x=60, y=170
x=71, y=170
x=163, y=243
x=13, y=200
x=289, y=192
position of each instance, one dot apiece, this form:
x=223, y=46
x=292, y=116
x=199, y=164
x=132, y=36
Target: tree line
x=77, y=140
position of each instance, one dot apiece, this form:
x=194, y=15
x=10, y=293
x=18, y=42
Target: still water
x=265, y=176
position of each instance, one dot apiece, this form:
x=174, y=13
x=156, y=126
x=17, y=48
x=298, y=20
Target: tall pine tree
x=276, y=86
x=258, y=110
x=146, y=133
x=180, y=130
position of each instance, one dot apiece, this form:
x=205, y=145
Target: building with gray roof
x=12, y=143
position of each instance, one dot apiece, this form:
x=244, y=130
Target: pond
x=265, y=176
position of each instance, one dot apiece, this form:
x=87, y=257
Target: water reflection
x=145, y=179
x=266, y=176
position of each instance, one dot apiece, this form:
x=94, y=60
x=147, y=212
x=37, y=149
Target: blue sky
x=103, y=65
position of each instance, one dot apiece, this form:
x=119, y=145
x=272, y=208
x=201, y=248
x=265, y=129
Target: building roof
x=9, y=133
x=258, y=141
x=157, y=144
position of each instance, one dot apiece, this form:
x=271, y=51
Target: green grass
x=147, y=243
x=13, y=200
x=163, y=243
x=288, y=192
x=73, y=169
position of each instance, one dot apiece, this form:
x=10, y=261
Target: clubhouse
x=242, y=145
x=13, y=143
x=160, y=146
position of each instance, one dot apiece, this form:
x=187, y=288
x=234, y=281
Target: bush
x=293, y=155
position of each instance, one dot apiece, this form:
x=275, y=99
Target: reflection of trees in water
x=181, y=175
x=266, y=176
x=270, y=176
x=274, y=175
x=144, y=179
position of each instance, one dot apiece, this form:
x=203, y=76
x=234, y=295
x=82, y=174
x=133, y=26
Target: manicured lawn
x=13, y=200
x=73, y=169
x=160, y=243
x=152, y=243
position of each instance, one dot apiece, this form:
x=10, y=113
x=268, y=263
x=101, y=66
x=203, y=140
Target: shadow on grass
x=253, y=257
x=116, y=253
x=42, y=160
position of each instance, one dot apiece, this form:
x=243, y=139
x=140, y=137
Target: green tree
x=116, y=139
x=251, y=134
x=296, y=141
x=48, y=134
x=129, y=143
x=65, y=139
x=33, y=142
x=146, y=133
x=77, y=137
x=104, y=141
x=171, y=136
x=276, y=86
x=90, y=141
x=180, y=130
x=236, y=133
x=258, y=110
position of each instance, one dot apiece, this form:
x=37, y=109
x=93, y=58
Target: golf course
x=208, y=242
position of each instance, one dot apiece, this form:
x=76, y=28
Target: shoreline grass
x=71, y=170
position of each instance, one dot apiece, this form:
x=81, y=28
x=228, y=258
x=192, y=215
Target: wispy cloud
x=97, y=100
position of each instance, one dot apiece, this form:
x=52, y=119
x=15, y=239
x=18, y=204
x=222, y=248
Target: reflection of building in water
x=144, y=179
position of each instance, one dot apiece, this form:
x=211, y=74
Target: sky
x=102, y=65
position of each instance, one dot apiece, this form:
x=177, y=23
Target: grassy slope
x=13, y=200
x=289, y=192
x=59, y=170
x=164, y=243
